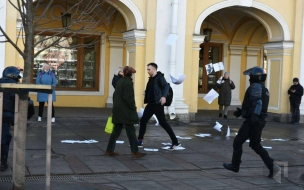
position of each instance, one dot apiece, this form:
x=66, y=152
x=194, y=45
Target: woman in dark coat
x=224, y=99
x=117, y=75
x=124, y=114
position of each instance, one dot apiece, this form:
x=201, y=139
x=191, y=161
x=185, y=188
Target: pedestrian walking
x=118, y=74
x=224, y=99
x=46, y=77
x=254, y=110
x=295, y=96
x=124, y=114
x=155, y=97
x=10, y=75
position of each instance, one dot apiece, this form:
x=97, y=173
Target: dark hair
x=153, y=65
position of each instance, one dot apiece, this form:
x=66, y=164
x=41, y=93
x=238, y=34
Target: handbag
x=109, y=126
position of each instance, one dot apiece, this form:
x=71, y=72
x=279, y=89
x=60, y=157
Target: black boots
x=231, y=167
x=220, y=115
x=273, y=170
x=4, y=165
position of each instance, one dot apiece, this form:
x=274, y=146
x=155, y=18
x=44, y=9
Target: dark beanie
x=295, y=80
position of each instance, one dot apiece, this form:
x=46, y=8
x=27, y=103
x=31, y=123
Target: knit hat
x=118, y=70
x=226, y=73
x=127, y=71
x=295, y=80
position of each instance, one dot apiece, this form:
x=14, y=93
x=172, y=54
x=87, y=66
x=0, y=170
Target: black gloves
x=238, y=112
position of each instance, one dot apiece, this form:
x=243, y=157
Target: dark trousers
x=158, y=110
x=130, y=129
x=254, y=132
x=295, y=112
x=41, y=106
x=6, y=138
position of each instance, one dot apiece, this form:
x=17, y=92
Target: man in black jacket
x=155, y=97
x=10, y=75
x=295, y=95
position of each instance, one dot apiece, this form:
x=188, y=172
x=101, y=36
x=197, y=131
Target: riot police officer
x=10, y=75
x=254, y=110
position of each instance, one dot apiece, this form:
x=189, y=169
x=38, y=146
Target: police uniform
x=254, y=110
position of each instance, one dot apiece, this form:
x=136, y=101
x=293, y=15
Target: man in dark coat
x=155, y=97
x=124, y=113
x=10, y=75
x=224, y=99
x=295, y=96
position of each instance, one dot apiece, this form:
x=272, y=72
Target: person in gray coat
x=224, y=99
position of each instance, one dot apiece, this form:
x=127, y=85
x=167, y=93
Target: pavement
x=199, y=166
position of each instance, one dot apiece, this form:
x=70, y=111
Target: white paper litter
x=179, y=80
x=179, y=137
x=218, y=126
x=267, y=147
x=219, y=81
x=212, y=94
x=171, y=39
x=176, y=148
x=279, y=140
x=166, y=144
x=78, y=141
x=203, y=135
x=228, y=132
x=120, y=142
x=247, y=140
x=151, y=149
x=157, y=123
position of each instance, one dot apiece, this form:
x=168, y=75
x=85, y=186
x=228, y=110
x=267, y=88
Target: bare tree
x=86, y=17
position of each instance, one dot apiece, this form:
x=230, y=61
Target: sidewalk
x=199, y=166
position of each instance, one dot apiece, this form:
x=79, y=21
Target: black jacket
x=225, y=92
x=297, y=96
x=8, y=98
x=115, y=80
x=160, y=87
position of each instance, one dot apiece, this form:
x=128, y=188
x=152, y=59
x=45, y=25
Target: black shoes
x=231, y=167
x=274, y=170
x=220, y=115
x=225, y=117
x=3, y=167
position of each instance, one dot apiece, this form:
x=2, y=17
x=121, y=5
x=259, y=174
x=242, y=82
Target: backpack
x=169, y=97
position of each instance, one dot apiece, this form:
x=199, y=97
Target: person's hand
x=293, y=90
x=223, y=81
x=230, y=81
x=162, y=100
x=238, y=112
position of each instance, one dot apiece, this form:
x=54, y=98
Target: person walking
x=224, y=99
x=295, y=96
x=10, y=75
x=118, y=74
x=155, y=97
x=46, y=77
x=124, y=114
x=254, y=110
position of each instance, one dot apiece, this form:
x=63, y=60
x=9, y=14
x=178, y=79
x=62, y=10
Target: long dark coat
x=124, y=108
x=225, y=92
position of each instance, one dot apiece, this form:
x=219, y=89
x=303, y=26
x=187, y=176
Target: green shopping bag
x=109, y=126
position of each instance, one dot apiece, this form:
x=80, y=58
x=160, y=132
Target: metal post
x=1, y=106
x=16, y=128
x=48, y=142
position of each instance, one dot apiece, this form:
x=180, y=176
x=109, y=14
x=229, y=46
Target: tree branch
x=46, y=9
x=11, y=42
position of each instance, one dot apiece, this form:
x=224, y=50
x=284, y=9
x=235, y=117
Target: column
x=116, y=60
x=235, y=72
x=252, y=59
x=135, y=57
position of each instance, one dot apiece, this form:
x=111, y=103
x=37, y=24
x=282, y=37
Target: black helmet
x=11, y=72
x=257, y=74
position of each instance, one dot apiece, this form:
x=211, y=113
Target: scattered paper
x=171, y=39
x=179, y=137
x=120, y=142
x=209, y=68
x=157, y=123
x=228, y=132
x=267, y=147
x=141, y=112
x=203, y=135
x=219, y=81
x=176, y=148
x=179, y=80
x=247, y=140
x=78, y=141
x=279, y=140
x=212, y=94
x=167, y=144
x=218, y=126
x=218, y=66
x=151, y=149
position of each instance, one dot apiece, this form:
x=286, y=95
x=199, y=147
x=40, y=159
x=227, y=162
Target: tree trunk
x=19, y=173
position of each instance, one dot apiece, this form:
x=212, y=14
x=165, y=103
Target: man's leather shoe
x=138, y=155
x=231, y=167
x=109, y=153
